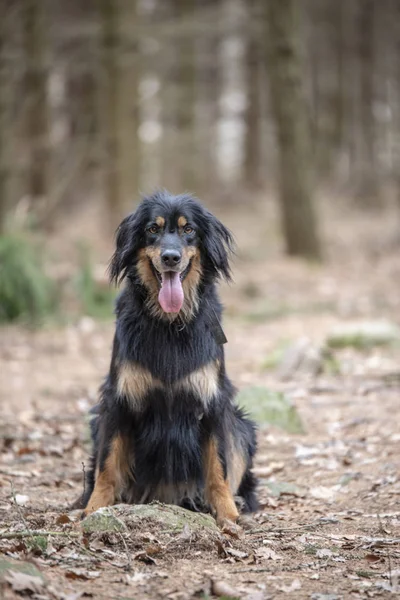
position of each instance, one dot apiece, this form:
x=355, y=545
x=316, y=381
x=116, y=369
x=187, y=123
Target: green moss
x=270, y=407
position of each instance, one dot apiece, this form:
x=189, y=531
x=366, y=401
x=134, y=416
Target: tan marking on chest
x=203, y=382
x=135, y=382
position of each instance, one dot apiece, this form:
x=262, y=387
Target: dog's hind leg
x=111, y=473
x=217, y=489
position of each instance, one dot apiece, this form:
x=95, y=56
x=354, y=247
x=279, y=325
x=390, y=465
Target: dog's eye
x=153, y=229
x=188, y=229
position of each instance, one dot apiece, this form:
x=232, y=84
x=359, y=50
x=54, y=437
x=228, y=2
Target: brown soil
x=336, y=530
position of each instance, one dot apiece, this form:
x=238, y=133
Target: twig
x=84, y=478
x=384, y=532
x=129, y=564
x=7, y=535
x=254, y=570
x=21, y=514
x=284, y=529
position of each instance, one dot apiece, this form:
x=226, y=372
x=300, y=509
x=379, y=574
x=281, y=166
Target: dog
x=166, y=428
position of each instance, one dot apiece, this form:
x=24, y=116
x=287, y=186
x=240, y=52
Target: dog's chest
x=170, y=355
x=138, y=386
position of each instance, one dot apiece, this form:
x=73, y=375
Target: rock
x=303, y=357
x=271, y=407
x=165, y=517
x=103, y=520
x=8, y=565
x=364, y=334
x=282, y=488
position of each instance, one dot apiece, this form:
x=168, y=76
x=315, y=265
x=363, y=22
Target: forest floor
x=329, y=522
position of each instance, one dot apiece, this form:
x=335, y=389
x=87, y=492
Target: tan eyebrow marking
x=182, y=222
x=160, y=221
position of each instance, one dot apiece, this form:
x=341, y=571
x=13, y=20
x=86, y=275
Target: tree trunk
x=368, y=182
x=110, y=110
x=36, y=102
x=3, y=129
x=186, y=81
x=293, y=130
x=252, y=144
x=130, y=149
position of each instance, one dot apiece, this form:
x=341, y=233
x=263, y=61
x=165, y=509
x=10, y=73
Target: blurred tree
x=186, y=100
x=36, y=104
x=110, y=86
x=252, y=149
x=130, y=57
x=3, y=125
x=368, y=183
x=292, y=124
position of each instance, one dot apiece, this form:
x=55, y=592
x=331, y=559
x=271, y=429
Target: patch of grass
x=26, y=292
x=366, y=574
x=271, y=312
x=271, y=407
x=95, y=298
x=311, y=549
x=364, y=335
x=37, y=544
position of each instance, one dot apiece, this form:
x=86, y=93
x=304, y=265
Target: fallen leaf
x=21, y=582
x=324, y=597
x=144, y=557
x=152, y=549
x=292, y=587
x=220, y=549
x=236, y=553
x=221, y=588
x=62, y=519
x=137, y=577
x=273, y=467
x=373, y=558
x=267, y=554
x=323, y=493
x=81, y=574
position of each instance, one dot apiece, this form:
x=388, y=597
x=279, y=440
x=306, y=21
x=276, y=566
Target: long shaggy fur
x=166, y=427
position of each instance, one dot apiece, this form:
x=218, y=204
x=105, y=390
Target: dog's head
x=170, y=245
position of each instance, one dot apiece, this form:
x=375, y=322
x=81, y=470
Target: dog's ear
x=128, y=237
x=218, y=245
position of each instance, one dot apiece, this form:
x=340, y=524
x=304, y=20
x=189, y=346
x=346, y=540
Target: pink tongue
x=171, y=293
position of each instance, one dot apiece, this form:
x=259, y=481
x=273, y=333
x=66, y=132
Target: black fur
x=168, y=434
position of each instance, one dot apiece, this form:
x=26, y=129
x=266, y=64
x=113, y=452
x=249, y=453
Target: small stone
x=165, y=516
x=21, y=499
x=271, y=408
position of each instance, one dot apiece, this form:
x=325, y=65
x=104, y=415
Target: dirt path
x=329, y=524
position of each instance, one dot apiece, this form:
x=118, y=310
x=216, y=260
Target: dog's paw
x=230, y=528
x=247, y=522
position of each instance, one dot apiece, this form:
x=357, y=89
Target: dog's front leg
x=110, y=475
x=217, y=491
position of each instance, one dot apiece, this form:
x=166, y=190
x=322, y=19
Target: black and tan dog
x=166, y=427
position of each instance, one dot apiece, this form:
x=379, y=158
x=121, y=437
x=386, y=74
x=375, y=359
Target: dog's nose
x=171, y=258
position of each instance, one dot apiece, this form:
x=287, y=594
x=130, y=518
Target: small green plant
x=95, y=298
x=26, y=292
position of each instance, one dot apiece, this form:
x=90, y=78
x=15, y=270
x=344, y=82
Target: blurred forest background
x=244, y=103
